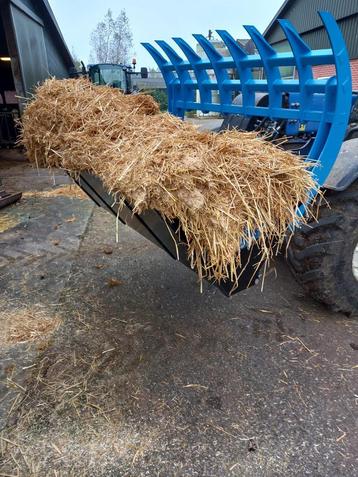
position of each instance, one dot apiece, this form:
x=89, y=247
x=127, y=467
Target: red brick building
x=303, y=14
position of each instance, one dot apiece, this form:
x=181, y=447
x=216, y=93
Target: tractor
x=318, y=119
x=114, y=75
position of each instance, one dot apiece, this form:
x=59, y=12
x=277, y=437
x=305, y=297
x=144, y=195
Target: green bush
x=161, y=97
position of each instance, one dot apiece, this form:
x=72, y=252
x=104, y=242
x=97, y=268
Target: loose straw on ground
x=224, y=189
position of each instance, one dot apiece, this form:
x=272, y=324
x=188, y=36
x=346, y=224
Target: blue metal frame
x=183, y=77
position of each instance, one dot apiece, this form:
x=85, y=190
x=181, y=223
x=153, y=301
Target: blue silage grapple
x=321, y=105
x=183, y=77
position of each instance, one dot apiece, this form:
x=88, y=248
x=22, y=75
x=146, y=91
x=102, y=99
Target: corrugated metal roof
x=42, y=9
x=349, y=28
x=303, y=14
x=279, y=14
x=56, y=32
x=318, y=39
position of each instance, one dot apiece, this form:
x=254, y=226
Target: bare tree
x=76, y=60
x=112, y=39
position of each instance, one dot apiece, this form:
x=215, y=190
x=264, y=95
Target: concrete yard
x=114, y=364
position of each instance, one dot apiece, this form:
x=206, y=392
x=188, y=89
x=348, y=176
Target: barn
x=303, y=14
x=31, y=49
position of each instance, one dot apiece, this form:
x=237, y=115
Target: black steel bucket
x=165, y=235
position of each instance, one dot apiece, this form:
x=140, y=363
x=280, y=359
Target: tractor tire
x=320, y=254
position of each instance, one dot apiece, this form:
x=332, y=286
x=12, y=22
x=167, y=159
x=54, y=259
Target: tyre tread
x=312, y=253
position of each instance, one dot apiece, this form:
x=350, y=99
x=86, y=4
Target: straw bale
x=222, y=188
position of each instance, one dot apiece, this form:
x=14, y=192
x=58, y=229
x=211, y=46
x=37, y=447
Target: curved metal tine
x=245, y=74
x=338, y=100
x=272, y=72
x=341, y=59
x=169, y=77
x=299, y=49
x=187, y=93
x=201, y=74
x=221, y=73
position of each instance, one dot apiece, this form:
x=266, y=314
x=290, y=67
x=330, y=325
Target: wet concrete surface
x=38, y=239
x=149, y=377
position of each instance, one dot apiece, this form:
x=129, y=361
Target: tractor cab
x=113, y=75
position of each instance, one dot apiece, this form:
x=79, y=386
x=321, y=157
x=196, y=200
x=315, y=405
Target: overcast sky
x=160, y=19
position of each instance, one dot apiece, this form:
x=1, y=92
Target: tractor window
x=112, y=76
x=96, y=77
